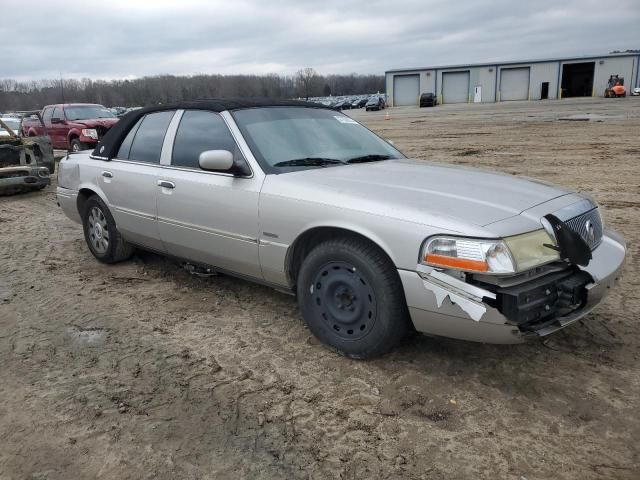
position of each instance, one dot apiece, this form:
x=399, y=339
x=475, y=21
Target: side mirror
x=216, y=160
x=56, y=120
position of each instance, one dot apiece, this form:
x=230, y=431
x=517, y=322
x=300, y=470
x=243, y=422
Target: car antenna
x=62, y=87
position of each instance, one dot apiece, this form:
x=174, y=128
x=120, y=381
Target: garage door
x=455, y=87
x=406, y=89
x=514, y=84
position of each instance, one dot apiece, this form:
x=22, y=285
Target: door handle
x=107, y=174
x=166, y=184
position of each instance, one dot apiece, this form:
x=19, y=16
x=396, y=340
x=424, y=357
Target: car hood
x=96, y=122
x=420, y=191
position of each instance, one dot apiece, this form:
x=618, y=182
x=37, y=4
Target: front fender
x=283, y=220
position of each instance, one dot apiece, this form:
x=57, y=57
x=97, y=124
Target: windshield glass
x=286, y=138
x=87, y=112
x=13, y=124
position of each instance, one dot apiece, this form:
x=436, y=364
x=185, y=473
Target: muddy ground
x=142, y=371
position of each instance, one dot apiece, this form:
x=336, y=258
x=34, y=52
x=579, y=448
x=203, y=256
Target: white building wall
x=543, y=72
x=622, y=66
x=389, y=83
x=488, y=77
x=428, y=82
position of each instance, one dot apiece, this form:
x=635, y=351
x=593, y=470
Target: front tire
x=102, y=236
x=351, y=298
x=77, y=146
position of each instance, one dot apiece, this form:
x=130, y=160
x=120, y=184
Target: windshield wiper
x=369, y=158
x=308, y=162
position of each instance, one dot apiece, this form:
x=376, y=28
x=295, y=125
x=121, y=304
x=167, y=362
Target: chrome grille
x=582, y=223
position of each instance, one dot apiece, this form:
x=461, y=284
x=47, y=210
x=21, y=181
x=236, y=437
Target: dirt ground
x=141, y=371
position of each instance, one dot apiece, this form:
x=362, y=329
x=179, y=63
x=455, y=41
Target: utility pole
x=62, y=87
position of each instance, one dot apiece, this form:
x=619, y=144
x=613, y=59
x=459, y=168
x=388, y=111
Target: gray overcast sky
x=119, y=39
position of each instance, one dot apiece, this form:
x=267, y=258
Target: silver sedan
x=307, y=200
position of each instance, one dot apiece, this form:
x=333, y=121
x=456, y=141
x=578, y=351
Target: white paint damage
x=467, y=297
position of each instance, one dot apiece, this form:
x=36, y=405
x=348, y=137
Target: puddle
x=88, y=336
x=586, y=117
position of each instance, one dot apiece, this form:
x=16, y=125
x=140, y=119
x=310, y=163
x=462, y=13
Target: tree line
x=31, y=95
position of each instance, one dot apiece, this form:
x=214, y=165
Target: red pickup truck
x=72, y=126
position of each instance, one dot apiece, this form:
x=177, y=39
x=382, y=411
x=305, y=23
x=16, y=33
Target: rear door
x=130, y=181
x=208, y=217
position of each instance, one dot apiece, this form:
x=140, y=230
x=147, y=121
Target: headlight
x=509, y=255
x=90, y=132
x=528, y=250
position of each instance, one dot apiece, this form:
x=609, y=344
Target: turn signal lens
x=459, y=263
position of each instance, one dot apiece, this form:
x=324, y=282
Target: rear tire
x=102, y=236
x=352, y=299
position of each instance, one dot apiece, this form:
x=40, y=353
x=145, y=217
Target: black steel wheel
x=344, y=299
x=351, y=297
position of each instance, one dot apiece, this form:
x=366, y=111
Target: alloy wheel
x=98, y=230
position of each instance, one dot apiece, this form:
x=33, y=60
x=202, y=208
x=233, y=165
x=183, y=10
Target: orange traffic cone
x=387, y=116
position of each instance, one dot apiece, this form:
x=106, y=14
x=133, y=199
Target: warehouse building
x=504, y=81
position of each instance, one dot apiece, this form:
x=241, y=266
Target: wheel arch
x=310, y=238
x=71, y=136
x=84, y=193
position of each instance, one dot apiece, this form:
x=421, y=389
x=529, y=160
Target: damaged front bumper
x=440, y=304
x=23, y=177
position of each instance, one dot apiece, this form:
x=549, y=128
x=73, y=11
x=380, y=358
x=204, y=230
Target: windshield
x=87, y=112
x=13, y=124
x=291, y=138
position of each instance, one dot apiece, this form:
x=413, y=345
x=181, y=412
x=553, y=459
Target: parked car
x=635, y=92
x=374, y=244
x=374, y=103
x=72, y=126
x=119, y=111
x=14, y=126
x=25, y=163
x=344, y=104
x=428, y=100
x=359, y=102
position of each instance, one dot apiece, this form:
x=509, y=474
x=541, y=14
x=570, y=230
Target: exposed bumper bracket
x=468, y=297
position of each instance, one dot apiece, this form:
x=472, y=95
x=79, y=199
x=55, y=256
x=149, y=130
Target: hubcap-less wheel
x=75, y=147
x=98, y=231
x=344, y=299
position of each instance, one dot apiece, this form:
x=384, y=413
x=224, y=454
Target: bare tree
x=34, y=94
x=307, y=80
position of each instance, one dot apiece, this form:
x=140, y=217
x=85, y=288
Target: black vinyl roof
x=110, y=143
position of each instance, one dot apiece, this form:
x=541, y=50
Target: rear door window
x=198, y=132
x=147, y=143
x=125, y=146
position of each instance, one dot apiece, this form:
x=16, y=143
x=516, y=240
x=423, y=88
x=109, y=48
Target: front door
x=130, y=181
x=58, y=130
x=477, y=94
x=203, y=216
